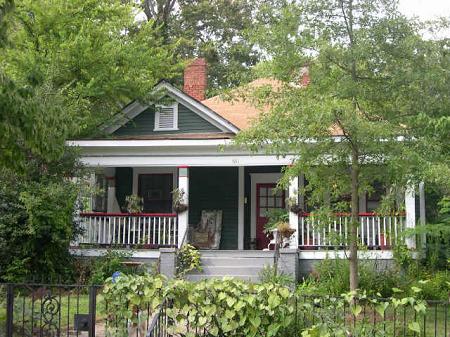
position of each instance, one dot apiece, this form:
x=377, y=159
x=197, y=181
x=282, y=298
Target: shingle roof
x=238, y=111
x=243, y=113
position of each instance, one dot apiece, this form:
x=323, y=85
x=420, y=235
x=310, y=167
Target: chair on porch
x=207, y=233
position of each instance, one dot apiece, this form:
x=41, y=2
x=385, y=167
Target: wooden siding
x=144, y=124
x=216, y=188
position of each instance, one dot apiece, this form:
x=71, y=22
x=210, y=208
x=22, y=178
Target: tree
x=65, y=68
x=216, y=30
x=376, y=108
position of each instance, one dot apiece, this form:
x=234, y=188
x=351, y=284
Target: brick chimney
x=195, y=81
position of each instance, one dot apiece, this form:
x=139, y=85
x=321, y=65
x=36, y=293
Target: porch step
x=245, y=265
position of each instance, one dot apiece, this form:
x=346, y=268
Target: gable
x=144, y=124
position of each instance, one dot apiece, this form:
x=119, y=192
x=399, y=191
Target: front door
x=268, y=197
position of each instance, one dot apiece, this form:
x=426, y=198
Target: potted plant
x=134, y=203
x=178, y=200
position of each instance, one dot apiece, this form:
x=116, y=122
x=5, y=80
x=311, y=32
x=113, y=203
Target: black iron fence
x=365, y=317
x=56, y=310
x=50, y=310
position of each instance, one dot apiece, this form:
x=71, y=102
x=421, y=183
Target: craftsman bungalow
x=186, y=143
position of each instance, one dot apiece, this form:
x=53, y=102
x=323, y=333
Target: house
x=185, y=141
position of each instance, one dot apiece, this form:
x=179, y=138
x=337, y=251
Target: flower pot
x=295, y=208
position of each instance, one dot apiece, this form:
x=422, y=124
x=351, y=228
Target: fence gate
x=51, y=310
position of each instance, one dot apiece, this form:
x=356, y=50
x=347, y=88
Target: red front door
x=267, y=197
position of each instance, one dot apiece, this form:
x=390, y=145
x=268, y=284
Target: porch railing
x=374, y=231
x=150, y=230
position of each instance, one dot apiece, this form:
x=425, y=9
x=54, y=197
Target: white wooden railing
x=151, y=230
x=374, y=231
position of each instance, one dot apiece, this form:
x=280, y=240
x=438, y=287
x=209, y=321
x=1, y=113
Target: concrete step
x=235, y=261
x=228, y=270
x=199, y=277
x=243, y=264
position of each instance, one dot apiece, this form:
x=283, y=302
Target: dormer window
x=166, y=117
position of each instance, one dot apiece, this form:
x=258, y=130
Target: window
x=166, y=117
x=155, y=189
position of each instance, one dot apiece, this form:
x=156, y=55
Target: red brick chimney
x=195, y=81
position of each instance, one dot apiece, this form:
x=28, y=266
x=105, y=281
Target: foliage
x=230, y=307
x=370, y=79
x=131, y=298
x=135, y=203
x=67, y=67
x=36, y=221
x=188, y=259
x=275, y=216
x=178, y=200
x=269, y=274
x=112, y=261
x=331, y=276
x=214, y=29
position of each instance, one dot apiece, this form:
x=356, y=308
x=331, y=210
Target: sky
x=425, y=9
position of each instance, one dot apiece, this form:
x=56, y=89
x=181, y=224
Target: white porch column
x=111, y=202
x=293, y=217
x=183, y=218
x=410, y=208
x=241, y=208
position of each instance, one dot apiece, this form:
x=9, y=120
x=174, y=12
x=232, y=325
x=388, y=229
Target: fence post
x=92, y=310
x=9, y=310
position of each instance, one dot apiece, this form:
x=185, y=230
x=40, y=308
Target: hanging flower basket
x=180, y=208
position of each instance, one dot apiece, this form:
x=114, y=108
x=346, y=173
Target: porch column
x=183, y=217
x=241, y=208
x=111, y=196
x=293, y=217
x=410, y=208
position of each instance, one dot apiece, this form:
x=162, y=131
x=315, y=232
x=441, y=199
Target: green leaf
x=414, y=326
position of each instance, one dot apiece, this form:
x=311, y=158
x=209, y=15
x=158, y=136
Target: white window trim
x=175, y=117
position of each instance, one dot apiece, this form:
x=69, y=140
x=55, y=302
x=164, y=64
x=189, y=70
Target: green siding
x=144, y=123
x=124, y=184
x=216, y=188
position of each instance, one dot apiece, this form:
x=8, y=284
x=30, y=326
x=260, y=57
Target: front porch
x=242, y=194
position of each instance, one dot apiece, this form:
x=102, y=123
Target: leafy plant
x=274, y=217
x=230, y=307
x=188, y=259
x=135, y=203
x=131, y=299
x=178, y=200
x=269, y=274
x=112, y=261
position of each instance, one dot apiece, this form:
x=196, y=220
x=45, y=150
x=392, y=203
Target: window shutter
x=166, y=118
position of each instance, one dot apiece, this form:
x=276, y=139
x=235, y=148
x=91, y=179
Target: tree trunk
x=354, y=222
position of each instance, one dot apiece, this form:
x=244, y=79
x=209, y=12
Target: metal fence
x=50, y=310
x=341, y=318
x=57, y=310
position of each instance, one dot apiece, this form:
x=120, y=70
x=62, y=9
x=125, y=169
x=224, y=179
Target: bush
x=104, y=266
x=331, y=277
x=269, y=274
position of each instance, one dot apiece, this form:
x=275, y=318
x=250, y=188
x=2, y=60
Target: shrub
x=188, y=259
x=331, y=276
x=112, y=261
x=269, y=274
